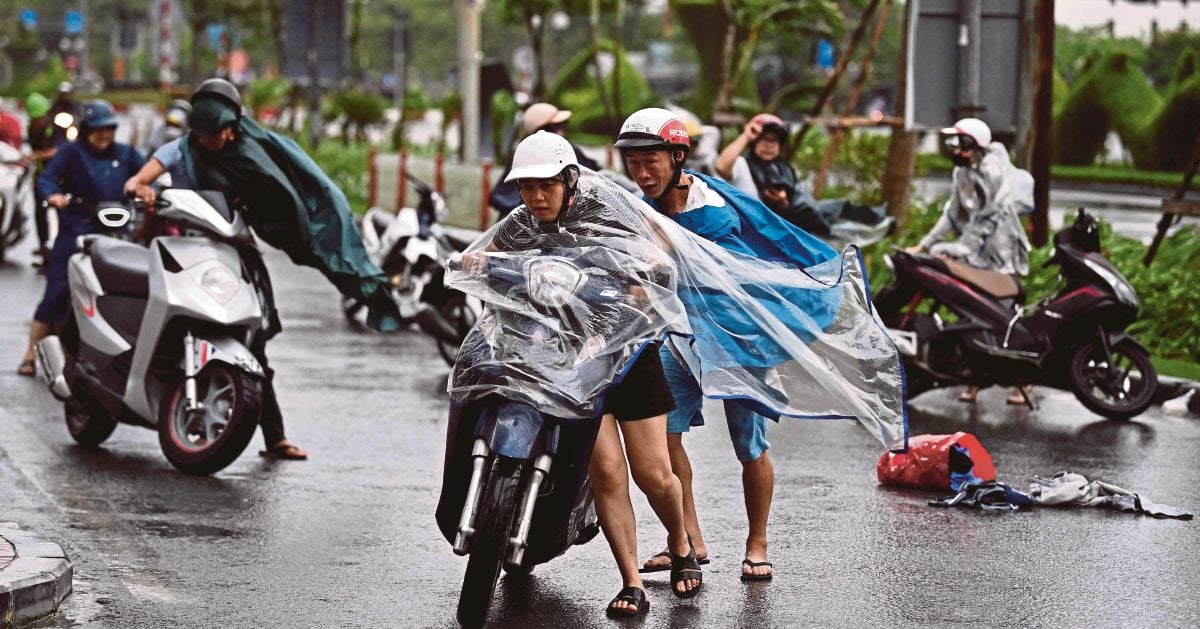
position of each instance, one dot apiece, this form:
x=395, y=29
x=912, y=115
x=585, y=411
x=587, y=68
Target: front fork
x=191, y=404
x=517, y=544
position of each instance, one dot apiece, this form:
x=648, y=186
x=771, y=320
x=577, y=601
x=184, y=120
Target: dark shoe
x=632, y=595
x=686, y=568
x=757, y=577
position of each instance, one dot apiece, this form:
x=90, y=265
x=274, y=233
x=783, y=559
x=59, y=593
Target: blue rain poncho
x=766, y=314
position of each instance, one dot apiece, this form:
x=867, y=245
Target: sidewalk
x=35, y=577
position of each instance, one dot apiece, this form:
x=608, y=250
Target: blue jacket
x=96, y=176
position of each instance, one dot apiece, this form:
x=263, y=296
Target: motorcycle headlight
x=219, y=282
x=1120, y=285
x=552, y=282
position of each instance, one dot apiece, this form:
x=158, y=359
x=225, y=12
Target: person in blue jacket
x=93, y=169
x=654, y=144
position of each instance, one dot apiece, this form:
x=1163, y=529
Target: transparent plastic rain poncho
x=569, y=304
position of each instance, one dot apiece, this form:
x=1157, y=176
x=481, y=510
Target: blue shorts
x=747, y=429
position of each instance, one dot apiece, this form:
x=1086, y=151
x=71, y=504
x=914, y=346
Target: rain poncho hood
x=291, y=204
x=984, y=213
x=780, y=322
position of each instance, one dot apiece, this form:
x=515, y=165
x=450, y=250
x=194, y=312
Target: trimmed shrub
x=575, y=89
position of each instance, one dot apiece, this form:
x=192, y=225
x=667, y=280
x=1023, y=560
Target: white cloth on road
x=1070, y=489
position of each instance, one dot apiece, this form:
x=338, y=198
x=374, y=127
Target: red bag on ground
x=929, y=461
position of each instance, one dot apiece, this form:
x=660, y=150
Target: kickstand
x=1028, y=395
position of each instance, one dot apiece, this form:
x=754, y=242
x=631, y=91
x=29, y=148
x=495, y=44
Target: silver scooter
x=160, y=336
x=15, y=177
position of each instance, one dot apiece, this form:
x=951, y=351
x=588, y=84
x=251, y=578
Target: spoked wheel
x=456, y=311
x=493, y=525
x=1117, y=382
x=209, y=437
x=88, y=425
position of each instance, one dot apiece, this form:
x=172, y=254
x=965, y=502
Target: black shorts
x=644, y=392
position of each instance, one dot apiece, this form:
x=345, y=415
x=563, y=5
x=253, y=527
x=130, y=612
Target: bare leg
x=758, y=484
x=650, y=463
x=682, y=466
x=610, y=484
x=969, y=395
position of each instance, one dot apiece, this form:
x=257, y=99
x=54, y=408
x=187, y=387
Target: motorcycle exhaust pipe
x=466, y=522
x=518, y=543
x=52, y=362
x=434, y=324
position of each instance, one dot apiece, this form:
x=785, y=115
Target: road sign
x=29, y=18
x=964, y=60
x=825, y=55
x=74, y=22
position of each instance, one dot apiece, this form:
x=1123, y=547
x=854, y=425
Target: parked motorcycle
x=15, y=172
x=413, y=247
x=976, y=332
x=159, y=336
x=516, y=491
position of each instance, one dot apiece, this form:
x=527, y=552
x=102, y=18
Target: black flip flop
x=686, y=568
x=635, y=596
x=757, y=577
x=703, y=562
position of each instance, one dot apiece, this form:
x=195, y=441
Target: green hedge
x=575, y=89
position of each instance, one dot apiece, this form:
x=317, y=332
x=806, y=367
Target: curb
x=35, y=577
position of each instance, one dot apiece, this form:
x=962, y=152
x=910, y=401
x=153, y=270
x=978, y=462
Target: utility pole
x=902, y=148
x=1043, y=122
x=400, y=58
x=314, y=81
x=970, y=34
x=468, y=76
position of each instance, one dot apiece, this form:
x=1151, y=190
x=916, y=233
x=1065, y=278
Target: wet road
x=347, y=539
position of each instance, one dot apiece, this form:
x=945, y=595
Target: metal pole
x=1168, y=217
x=970, y=32
x=468, y=77
x=399, y=61
x=1042, y=121
x=314, y=87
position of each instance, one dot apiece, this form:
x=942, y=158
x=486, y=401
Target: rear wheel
x=1118, y=384
x=89, y=426
x=210, y=437
x=493, y=524
x=455, y=311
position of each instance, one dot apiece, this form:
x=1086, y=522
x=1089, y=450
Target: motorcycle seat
x=381, y=222
x=123, y=268
x=997, y=285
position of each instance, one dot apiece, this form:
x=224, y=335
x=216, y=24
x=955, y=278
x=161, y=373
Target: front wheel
x=458, y=314
x=206, y=439
x=89, y=426
x=1117, y=385
x=493, y=525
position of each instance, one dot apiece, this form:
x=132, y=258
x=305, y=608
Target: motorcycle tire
x=456, y=311
x=1088, y=371
x=232, y=399
x=493, y=526
x=89, y=426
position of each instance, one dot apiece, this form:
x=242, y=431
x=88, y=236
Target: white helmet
x=539, y=115
x=973, y=128
x=542, y=156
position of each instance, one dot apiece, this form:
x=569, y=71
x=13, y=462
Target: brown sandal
x=26, y=368
x=284, y=451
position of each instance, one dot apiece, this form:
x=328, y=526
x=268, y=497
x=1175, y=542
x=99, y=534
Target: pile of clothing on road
x=959, y=463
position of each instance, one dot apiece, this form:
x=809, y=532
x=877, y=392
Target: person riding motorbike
x=755, y=317
x=538, y=117
x=547, y=173
x=987, y=196
x=173, y=126
x=92, y=169
x=753, y=164
x=287, y=199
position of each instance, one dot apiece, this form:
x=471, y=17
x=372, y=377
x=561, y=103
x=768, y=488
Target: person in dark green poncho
x=287, y=199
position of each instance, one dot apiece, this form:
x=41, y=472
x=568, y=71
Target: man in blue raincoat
x=725, y=336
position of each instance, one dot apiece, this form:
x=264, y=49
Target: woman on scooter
x=987, y=196
x=635, y=411
x=93, y=169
